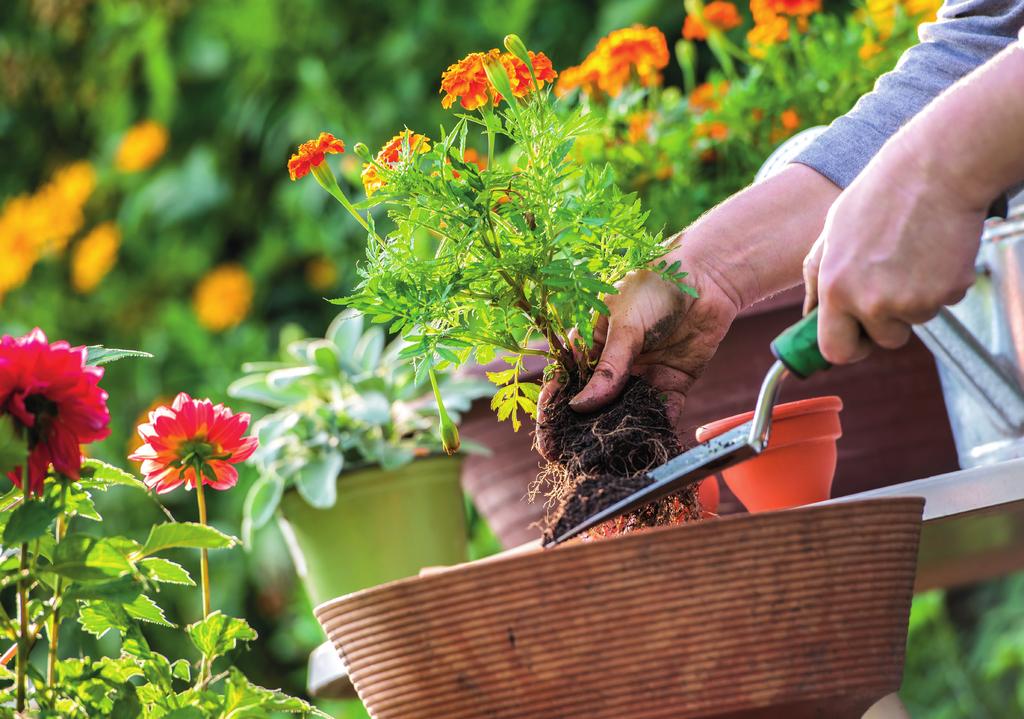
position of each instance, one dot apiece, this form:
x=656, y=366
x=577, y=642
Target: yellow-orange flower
x=882, y=14
x=390, y=155
x=583, y=77
x=75, y=183
x=474, y=157
x=790, y=119
x=519, y=72
x=222, y=299
x=321, y=274
x=869, y=49
x=717, y=14
x=922, y=10
x=792, y=8
x=767, y=33
x=94, y=256
x=311, y=153
x=142, y=145
x=19, y=223
x=708, y=96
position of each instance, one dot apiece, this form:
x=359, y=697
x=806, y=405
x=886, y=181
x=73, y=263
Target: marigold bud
x=363, y=151
x=514, y=44
x=498, y=77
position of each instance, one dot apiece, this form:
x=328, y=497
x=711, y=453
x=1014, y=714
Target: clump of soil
x=595, y=460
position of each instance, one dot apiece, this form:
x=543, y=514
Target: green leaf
x=218, y=634
x=13, y=448
x=100, y=475
x=181, y=669
x=145, y=609
x=242, y=698
x=98, y=354
x=122, y=590
x=164, y=570
x=32, y=519
x=317, y=481
x=502, y=377
x=89, y=559
x=185, y=534
x=98, y=618
x=80, y=504
x=263, y=499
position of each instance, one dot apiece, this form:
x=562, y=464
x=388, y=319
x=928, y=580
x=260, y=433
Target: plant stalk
x=23, y=642
x=51, y=655
x=204, y=558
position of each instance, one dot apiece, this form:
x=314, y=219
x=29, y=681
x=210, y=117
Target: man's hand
x=747, y=248
x=897, y=246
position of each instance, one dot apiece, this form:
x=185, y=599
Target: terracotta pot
x=798, y=465
x=810, y=605
x=709, y=495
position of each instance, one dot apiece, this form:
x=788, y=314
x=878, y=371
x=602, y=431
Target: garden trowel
x=796, y=351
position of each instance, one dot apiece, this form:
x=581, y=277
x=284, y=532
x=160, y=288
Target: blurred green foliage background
x=238, y=84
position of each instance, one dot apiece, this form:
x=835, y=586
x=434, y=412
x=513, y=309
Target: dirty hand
x=897, y=245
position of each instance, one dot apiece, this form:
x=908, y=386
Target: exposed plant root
x=597, y=459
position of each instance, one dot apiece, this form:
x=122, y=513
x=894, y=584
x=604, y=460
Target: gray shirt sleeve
x=966, y=35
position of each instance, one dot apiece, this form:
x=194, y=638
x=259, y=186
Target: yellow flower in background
x=223, y=298
x=767, y=33
x=19, y=248
x=869, y=49
x=75, y=183
x=94, y=256
x=635, y=52
x=321, y=274
x=922, y=10
x=142, y=145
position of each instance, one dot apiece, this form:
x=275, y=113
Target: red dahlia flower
x=55, y=398
x=191, y=435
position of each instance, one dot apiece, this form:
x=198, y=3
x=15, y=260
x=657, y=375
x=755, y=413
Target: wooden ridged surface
x=805, y=608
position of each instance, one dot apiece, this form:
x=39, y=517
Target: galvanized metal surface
x=974, y=523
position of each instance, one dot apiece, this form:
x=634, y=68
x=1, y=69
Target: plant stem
x=51, y=655
x=204, y=559
x=23, y=645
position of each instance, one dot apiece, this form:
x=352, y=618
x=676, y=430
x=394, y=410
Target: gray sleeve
x=967, y=33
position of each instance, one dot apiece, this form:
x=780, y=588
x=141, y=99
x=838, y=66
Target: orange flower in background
x=716, y=131
x=94, y=256
x=74, y=183
x=583, y=77
x=471, y=156
x=466, y=81
x=321, y=274
x=193, y=441
x=790, y=119
x=640, y=124
x=390, y=155
x=792, y=8
x=922, y=10
x=718, y=14
x=142, y=145
x=222, y=299
x=311, y=153
x=519, y=72
x=767, y=33
x=707, y=96
x=637, y=51
x=869, y=49
x=19, y=224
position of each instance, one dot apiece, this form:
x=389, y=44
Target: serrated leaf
x=98, y=618
x=503, y=377
x=218, y=634
x=119, y=591
x=190, y=535
x=145, y=609
x=89, y=559
x=98, y=354
x=181, y=669
x=100, y=475
x=166, y=571
x=29, y=521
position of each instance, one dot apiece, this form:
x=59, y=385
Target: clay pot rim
x=538, y=553
x=788, y=410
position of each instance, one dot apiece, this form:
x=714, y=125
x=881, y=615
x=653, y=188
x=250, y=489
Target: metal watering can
x=978, y=343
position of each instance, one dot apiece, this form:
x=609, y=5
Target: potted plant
x=349, y=457
x=480, y=263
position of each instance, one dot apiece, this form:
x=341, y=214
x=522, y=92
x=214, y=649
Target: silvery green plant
x=344, y=401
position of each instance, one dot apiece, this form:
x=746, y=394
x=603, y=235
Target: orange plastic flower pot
x=797, y=466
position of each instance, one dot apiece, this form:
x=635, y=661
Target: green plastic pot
x=385, y=525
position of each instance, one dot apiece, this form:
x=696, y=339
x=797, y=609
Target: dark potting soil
x=597, y=459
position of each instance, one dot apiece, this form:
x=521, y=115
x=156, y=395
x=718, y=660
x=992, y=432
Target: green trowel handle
x=797, y=347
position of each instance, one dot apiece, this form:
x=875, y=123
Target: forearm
x=971, y=139
x=754, y=243
x=969, y=33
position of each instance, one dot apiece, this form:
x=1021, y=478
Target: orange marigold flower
x=790, y=119
x=223, y=298
x=768, y=33
x=922, y=10
x=142, y=145
x=466, y=81
x=94, y=256
x=869, y=49
x=311, y=153
x=792, y=8
x=716, y=131
x=637, y=51
x=519, y=73
x=193, y=441
x=474, y=157
x=584, y=77
x=640, y=124
x=390, y=155
x=718, y=14
x=707, y=96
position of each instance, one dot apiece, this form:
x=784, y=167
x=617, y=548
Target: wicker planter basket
x=802, y=611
